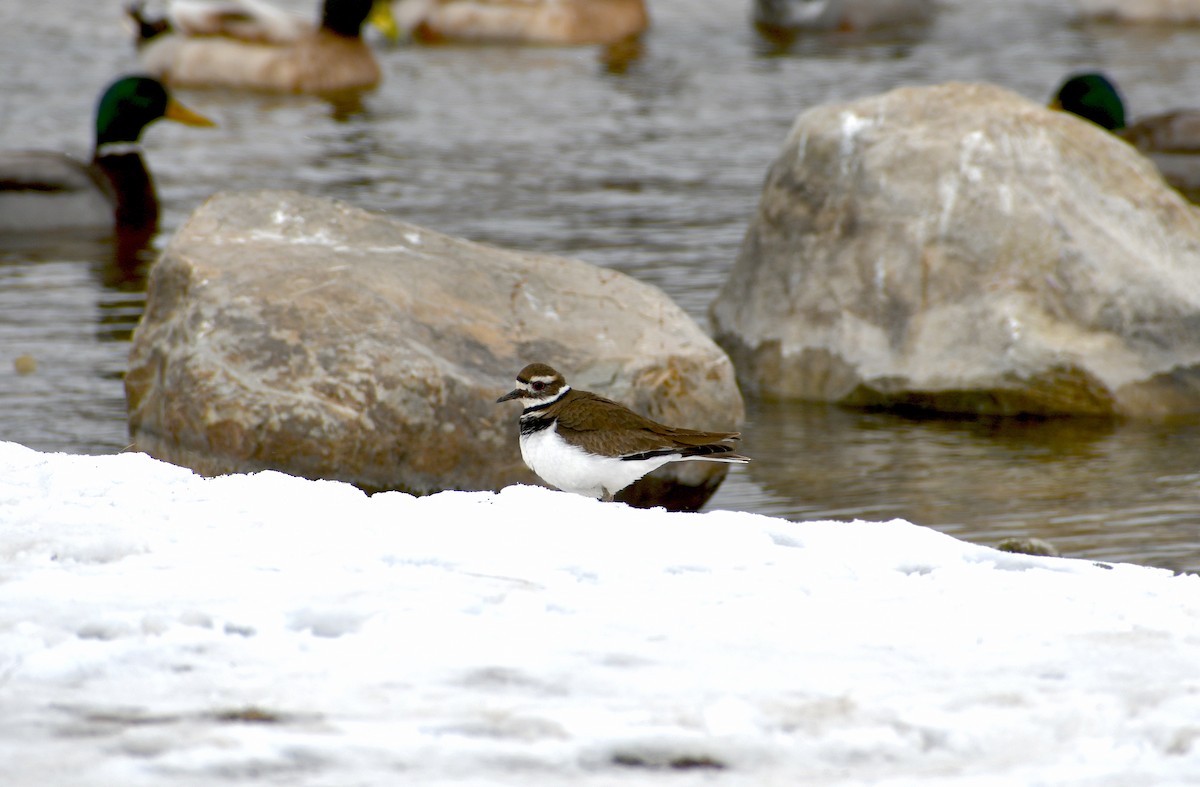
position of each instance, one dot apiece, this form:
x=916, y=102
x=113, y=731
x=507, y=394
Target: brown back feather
x=618, y=430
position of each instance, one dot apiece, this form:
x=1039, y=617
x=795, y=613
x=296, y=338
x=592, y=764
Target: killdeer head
x=538, y=385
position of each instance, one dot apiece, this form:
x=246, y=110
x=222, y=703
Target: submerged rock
x=301, y=334
x=1029, y=545
x=961, y=249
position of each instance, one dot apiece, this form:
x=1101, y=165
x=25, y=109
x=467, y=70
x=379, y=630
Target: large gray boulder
x=301, y=334
x=958, y=248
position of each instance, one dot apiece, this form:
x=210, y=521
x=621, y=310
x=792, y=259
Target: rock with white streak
x=301, y=334
x=959, y=248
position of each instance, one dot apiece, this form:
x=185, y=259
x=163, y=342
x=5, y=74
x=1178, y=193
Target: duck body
x=839, y=14
x=46, y=191
x=248, y=20
x=319, y=63
x=1170, y=139
x=1169, y=132
x=216, y=46
x=544, y=22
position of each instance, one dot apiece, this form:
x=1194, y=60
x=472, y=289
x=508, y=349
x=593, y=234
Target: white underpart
x=572, y=469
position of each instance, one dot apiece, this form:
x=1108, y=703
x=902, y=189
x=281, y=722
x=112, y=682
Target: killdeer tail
x=712, y=452
x=735, y=459
x=731, y=458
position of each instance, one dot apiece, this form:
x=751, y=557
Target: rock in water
x=300, y=334
x=961, y=249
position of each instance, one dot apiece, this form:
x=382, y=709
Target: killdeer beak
x=516, y=393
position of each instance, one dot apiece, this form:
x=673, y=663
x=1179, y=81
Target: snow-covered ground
x=159, y=628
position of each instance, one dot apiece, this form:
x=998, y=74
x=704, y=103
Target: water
x=651, y=166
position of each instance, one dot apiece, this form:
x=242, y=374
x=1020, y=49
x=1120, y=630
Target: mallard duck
x=552, y=22
x=249, y=44
x=43, y=191
x=248, y=20
x=839, y=14
x=1171, y=139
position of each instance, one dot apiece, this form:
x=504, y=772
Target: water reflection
x=989, y=479
x=118, y=266
x=346, y=106
x=119, y=262
x=618, y=57
x=69, y=306
x=885, y=43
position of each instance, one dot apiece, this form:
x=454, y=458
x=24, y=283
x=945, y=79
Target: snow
x=158, y=627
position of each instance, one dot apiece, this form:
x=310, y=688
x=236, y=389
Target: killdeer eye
x=537, y=385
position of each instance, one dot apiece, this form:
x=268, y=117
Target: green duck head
x=1094, y=97
x=132, y=103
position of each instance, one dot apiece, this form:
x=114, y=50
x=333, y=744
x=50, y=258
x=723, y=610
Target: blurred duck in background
x=252, y=45
x=546, y=22
x=1171, y=139
x=249, y=20
x=44, y=191
x=794, y=15
x=1140, y=12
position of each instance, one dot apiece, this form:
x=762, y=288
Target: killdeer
x=583, y=443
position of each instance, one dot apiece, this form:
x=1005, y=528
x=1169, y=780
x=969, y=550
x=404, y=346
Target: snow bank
x=159, y=627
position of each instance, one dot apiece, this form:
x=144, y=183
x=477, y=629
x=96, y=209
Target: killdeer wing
x=608, y=427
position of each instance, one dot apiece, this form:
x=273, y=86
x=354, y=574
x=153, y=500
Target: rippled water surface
x=651, y=165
